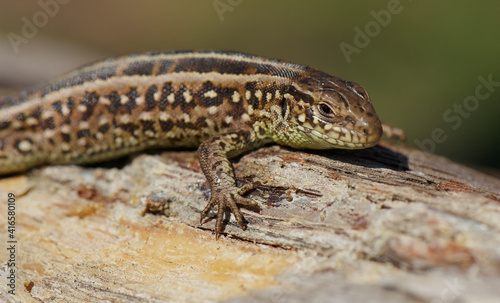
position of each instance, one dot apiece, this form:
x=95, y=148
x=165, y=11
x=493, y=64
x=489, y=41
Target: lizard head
x=323, y=112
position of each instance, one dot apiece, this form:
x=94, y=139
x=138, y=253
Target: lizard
x=223, y=103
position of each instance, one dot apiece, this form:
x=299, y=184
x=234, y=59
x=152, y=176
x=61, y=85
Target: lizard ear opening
x=284, y=107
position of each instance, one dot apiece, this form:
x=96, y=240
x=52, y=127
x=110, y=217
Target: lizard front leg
x=214, y=155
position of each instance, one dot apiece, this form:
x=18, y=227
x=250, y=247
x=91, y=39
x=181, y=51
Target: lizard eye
x=326, y=110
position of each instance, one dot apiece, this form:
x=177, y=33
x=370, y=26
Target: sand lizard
x=221, y=102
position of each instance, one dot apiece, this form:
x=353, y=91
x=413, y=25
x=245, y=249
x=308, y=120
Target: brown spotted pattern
x=224, y=103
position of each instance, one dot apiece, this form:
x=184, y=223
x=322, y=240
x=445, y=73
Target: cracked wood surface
x=388, y=224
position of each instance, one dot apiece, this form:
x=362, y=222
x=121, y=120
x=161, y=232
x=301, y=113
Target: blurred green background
x=421, y=61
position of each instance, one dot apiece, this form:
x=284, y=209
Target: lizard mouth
x=340, y=137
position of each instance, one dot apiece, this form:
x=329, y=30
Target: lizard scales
x=221, y=102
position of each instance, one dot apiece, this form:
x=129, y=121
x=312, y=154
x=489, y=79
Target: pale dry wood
x=388, y=224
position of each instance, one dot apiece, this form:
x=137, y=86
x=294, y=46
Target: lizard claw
x=225, y=199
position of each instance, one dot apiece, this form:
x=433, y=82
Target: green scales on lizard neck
x=223, y=103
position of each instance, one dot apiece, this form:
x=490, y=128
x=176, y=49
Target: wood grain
x=388, y=224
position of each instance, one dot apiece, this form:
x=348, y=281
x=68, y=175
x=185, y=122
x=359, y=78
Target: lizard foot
x=228, y=199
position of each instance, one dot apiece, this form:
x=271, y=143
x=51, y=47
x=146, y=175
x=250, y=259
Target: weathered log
x=388, y=224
